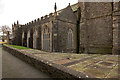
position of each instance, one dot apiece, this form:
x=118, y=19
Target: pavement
x=0, y=62
x=12, y=67
x=96, y=65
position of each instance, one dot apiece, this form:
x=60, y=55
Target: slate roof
x=74, y=8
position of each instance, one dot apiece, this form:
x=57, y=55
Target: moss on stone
x=18, y=47
x=100, y=51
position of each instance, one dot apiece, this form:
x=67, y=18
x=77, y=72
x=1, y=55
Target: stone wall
x=17, y=39
x=99, y=28
x=55, y=36
x=116, y=28
x=52, y=69
x=66, y=20
x=24, y=40
x=63, y=36
x=96, y=27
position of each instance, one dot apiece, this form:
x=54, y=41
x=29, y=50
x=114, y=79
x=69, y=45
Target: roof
x=74, y=8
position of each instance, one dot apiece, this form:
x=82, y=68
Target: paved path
x=0, y=62
x=15, y=68
x=95, y=65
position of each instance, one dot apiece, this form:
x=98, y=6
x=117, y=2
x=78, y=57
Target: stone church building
x=99, y=29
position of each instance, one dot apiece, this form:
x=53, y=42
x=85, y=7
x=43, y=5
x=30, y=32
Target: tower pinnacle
x=55, y=7
x=14, y=23
x=17, y=22
x=69, y=4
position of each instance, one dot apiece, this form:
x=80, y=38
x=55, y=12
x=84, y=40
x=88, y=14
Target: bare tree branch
x=4, y=29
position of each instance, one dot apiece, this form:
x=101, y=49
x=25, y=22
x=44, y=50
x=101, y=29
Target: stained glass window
x=46, y=39
x=28, y=36
x=70, y=38
x=35, y=39
x=22, y=35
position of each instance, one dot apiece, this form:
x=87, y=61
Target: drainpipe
x=78, y=31
x=112, y=5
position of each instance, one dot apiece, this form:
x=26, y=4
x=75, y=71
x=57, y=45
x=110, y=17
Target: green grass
x=18, y=47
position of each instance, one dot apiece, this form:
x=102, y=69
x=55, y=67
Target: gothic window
x=28, y=36
x=35, y=39
x=70, y=38
x=22, y=38
x=23, y=35
x=46, y=39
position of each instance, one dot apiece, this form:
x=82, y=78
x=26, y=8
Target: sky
x=27, y=10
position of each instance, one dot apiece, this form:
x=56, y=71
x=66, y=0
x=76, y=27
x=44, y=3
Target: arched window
x=70, y=38
x=35, y=39
x=28, y=36
x=23, y=39
x=46, y=39
x=22, y=35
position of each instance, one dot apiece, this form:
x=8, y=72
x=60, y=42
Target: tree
x=4, y=30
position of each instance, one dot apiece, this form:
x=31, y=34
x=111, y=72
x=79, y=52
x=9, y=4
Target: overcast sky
x=28, y=10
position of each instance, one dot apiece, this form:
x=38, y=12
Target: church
x=85, y=26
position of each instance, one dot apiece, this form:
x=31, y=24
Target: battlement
x=35, y=20
x=15, y=26
x=38, y=19
x=51, y=14
x=43, y=18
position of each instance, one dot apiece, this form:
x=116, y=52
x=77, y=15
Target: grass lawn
x=18, y=47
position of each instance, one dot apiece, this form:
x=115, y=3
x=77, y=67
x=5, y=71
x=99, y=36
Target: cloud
x=1, y=7
x=27, y=10
x=98, y=0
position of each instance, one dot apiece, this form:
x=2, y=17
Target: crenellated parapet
x=38, y=19
x=43, y=19
x=16, y=33
x=51, y=15
x=30, y=26
x=35, y=20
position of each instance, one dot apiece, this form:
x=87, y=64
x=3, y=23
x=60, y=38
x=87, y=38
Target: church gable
x=67, y=15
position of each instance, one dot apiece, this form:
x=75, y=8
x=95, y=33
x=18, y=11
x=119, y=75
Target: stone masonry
x=99, y=29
